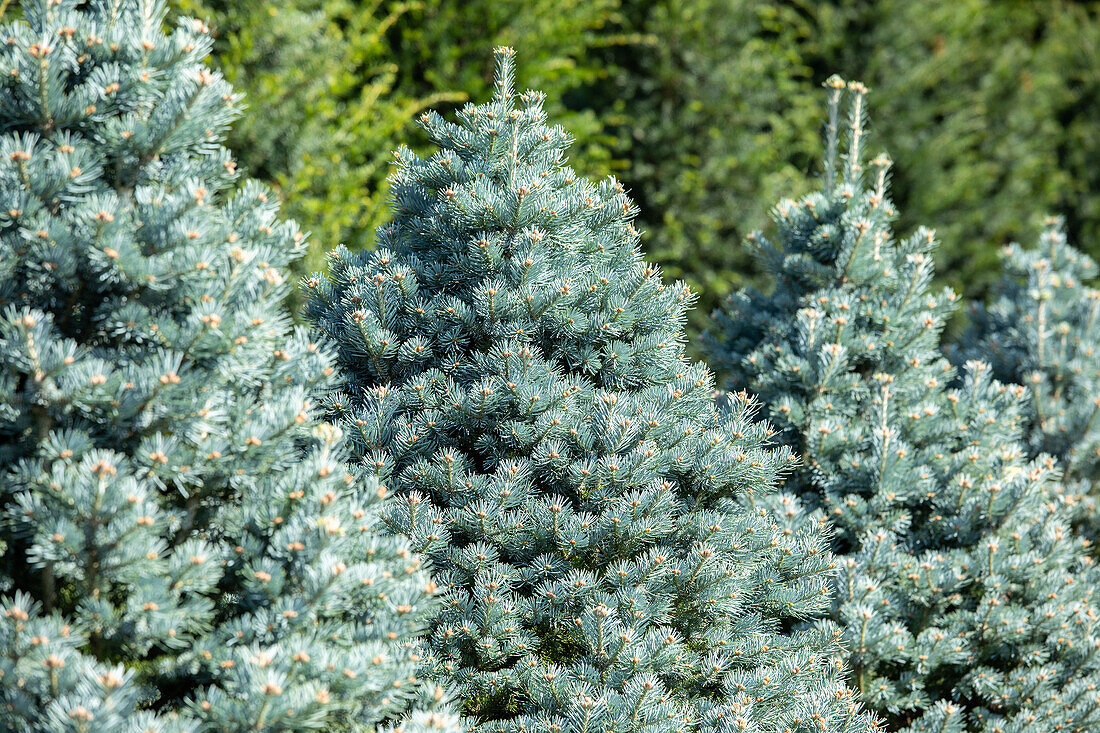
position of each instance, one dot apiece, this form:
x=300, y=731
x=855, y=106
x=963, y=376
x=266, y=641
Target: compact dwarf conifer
x=183, y=548
x=968, y=603
x=1042, y=330
x=515, y=372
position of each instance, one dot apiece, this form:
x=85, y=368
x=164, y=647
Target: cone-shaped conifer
x=967, y=601
x=515, y=373
x=183, y=549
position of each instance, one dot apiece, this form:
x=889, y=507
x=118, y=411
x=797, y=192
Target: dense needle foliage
x=1042, y=330
x=183, y=547
x=514, y=370
x=967, y=601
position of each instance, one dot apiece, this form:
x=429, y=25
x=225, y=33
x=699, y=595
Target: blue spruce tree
x=968, y=603
x=1041, y=330
x=183, y=547
x=514, y=372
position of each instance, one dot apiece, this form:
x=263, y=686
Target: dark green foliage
x=967, y=601
x=1042, y=330
x=320, y=80
x=702, y=108
x=717, y=113
x=515, y=372
x=334, y=84
x=989, y=110
x=562, y=41
x=183, y=548
x=994, y=102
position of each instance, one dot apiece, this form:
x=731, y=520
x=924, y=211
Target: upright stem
x=835, y=85
x=1039, y=357
x=856, y=128
x=43, y=93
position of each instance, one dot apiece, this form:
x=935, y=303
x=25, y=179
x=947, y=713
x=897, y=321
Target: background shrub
x=333, y=85
x=705, y=109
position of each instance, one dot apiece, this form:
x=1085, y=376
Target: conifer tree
x=514, y=371
x=183, y=548
x=968, y=603
x=1042, y=330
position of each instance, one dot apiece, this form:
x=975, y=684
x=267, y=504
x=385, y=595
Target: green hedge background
x=708, y=110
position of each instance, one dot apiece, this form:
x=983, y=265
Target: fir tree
x=183, y=548
x=1042, y=330
x=967, y=601
x=514, y=371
